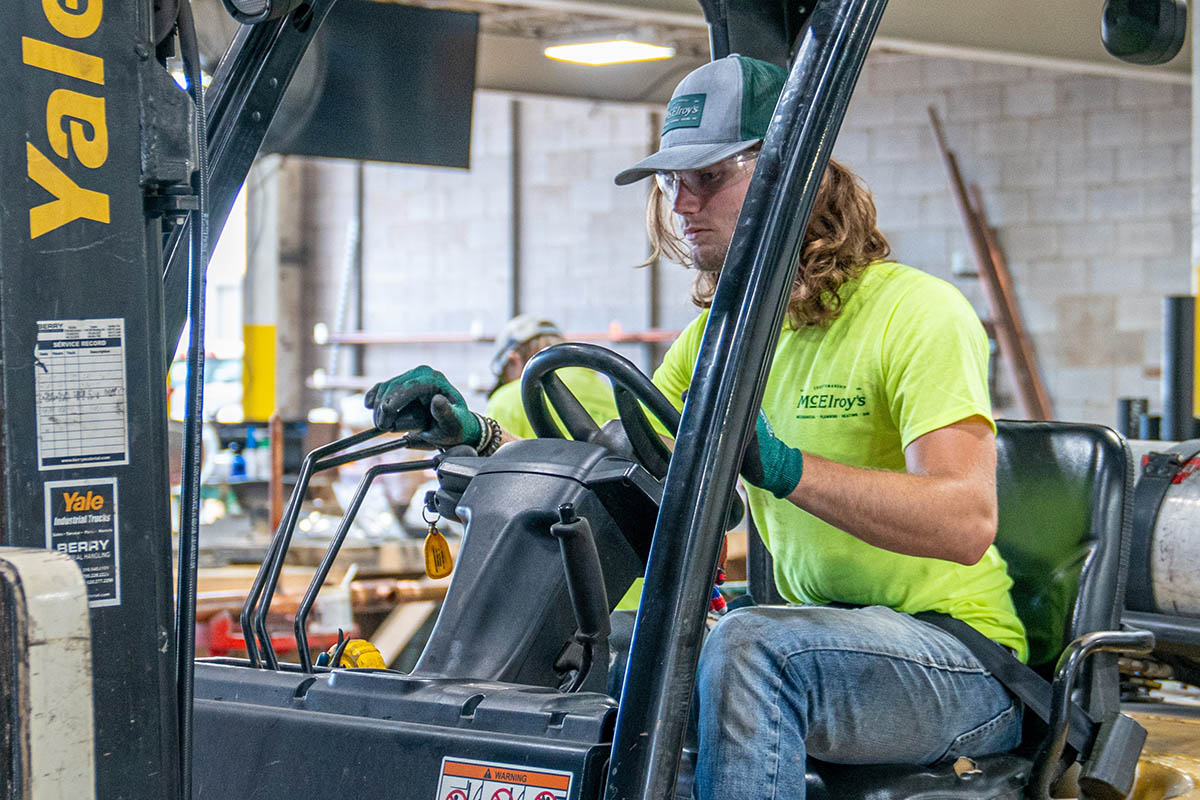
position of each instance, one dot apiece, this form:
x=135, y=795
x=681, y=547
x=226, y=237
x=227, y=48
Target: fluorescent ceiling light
x=613, y=51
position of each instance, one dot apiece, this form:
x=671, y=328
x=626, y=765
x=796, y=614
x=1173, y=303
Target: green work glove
x=422, y=400
x=769, y=463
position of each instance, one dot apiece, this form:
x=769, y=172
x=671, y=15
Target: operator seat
x=1065, y=503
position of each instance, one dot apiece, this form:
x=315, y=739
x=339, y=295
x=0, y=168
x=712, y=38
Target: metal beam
x=245, y=93
x=726, y=391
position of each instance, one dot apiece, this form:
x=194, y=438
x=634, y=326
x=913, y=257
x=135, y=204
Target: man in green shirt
x=871, y=472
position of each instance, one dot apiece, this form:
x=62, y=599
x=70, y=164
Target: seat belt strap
x=1032, y=689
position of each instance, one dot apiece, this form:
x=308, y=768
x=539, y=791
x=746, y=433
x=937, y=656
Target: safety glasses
x=706, y=182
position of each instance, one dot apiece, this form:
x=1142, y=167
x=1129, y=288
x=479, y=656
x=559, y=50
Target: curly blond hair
x=841, y=241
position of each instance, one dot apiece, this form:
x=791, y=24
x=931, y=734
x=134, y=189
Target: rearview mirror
x=1144, y=31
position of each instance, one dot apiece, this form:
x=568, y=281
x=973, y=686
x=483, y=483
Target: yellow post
x=260, y=292
x=258, y=372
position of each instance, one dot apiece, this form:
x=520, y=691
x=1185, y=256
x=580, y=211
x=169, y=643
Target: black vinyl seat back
x=1065, y=508
x=1065, y=499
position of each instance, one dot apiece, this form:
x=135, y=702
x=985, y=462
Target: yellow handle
x=438, y=561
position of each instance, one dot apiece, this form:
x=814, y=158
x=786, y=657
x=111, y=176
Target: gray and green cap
x=718, y=110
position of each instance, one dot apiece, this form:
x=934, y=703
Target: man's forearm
x=951, y=518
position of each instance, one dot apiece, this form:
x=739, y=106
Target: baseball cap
x=718, y=110
x=516, y=332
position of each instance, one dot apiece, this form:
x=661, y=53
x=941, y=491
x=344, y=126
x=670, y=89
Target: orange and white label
x=487, y=780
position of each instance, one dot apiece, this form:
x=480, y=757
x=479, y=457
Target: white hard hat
x=516, y=332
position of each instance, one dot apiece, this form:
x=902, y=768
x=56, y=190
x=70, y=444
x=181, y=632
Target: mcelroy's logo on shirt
x=831, y=401
x=684, y=111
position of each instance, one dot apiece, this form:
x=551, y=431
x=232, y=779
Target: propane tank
x=1166, y=542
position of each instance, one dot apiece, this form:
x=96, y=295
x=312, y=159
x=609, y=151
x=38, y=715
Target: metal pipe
x=654, y=353
x=727, y=388
x=189, y=491
x=516, y=153
x=1179, y=313
x=613, y=334
x=360, y=264
x=1129, y=415
x=350, y=284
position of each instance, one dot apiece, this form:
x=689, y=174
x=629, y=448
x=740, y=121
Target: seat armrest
x=1047, y=763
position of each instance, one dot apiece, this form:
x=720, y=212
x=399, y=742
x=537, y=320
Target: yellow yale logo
x=76, y=501
x=75, y=121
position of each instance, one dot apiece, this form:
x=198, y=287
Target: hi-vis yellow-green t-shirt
x=593, y=392
x=906, y=356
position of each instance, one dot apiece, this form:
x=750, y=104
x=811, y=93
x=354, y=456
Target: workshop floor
x=1170, y=763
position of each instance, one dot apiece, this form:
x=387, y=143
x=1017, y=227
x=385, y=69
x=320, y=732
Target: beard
x=710, y=258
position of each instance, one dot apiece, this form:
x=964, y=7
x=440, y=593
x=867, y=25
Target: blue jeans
x=851, y=686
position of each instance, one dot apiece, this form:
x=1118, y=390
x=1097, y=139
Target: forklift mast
x=95, y=147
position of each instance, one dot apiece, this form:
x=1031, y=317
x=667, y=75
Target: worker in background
x=871, y=470
x=523, y=337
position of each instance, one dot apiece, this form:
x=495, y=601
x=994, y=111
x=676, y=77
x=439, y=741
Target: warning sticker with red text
x=463, y=779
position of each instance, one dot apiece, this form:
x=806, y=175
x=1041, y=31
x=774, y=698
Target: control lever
x=585, y=584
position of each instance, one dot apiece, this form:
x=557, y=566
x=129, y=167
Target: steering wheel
x=631, y=389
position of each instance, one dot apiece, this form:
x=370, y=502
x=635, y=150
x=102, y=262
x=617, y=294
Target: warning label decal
x=463, y=779
x=81, y=522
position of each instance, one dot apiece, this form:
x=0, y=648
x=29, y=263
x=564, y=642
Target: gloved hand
x=423, y=400
x=769, y=463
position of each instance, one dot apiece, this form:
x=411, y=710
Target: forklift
x=509, y=699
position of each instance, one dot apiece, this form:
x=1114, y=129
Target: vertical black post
x=82, y=361
x=516, y=153
x=760, y=568
x=1179, y=323
x=726, y=391
x=359, y=366
x=1129, y=414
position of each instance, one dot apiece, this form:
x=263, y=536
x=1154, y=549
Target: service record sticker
x=81, y=522
x=463, y=779
x=80, y=397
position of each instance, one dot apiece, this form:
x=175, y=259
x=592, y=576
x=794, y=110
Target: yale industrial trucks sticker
x=81, y=522
x=79, y=377
x=463, y=779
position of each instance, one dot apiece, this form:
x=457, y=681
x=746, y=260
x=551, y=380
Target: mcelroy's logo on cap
x=684, y=111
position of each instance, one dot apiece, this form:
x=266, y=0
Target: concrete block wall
x=1085, y=178
x=438, y=242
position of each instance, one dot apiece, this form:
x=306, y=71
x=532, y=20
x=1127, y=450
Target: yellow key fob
x=438, y=561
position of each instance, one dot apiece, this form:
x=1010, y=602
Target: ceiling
x=1053, y=33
